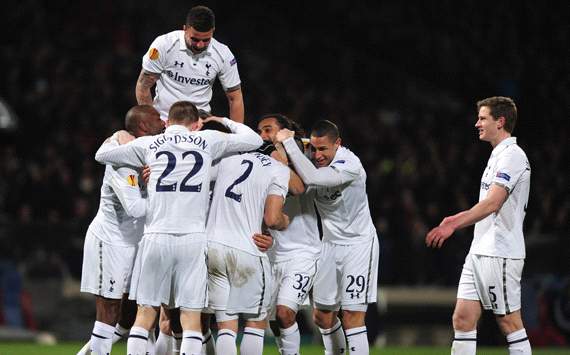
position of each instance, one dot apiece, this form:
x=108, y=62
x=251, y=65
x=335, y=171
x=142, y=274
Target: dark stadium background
x=400, y=79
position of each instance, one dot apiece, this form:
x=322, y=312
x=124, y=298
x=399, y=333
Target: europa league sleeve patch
x=132, y=180
x=153, y=54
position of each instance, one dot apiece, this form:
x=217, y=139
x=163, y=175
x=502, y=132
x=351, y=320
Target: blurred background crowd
x=400, y=80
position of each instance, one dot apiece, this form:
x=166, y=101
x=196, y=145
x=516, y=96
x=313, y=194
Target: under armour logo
x=177, y=63
x=208, y=66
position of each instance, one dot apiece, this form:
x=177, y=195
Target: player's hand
x=263, y=242
x=283, y=134
x=437, y=236
x=146, y=174
x=124, y=137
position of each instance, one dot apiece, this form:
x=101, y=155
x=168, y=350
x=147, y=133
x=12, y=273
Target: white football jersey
x=180, y=163
x=113, y=223
x=501, y=234
x=243, y=183
x=301, y=238
x=185, y=75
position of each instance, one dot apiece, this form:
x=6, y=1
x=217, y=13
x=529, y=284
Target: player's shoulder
x=169, y=37
x=345, y=156
x=222, y=50
x=514, y=152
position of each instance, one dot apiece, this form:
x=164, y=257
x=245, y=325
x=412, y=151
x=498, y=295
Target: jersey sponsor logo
x=233, y=61
x=188, y=80
x=153, y=54
x=132, y=180
x=503, y=176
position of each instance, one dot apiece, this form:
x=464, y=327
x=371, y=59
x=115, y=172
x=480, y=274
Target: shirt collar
x=504, y=144
x=175, y=128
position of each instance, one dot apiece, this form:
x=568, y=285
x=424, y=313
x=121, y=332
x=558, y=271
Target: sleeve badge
x=153, y=54
x=132, y=180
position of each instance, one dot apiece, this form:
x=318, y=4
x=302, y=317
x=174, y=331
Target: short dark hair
x=215, y=126
x=285, y=122
x=135, y=115
x=183, y=112
x=325, y=128
x=501, y=106
x=201, y=18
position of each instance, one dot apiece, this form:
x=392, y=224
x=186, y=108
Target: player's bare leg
x=128, y=310
x=355, y=330
x=165, y=340
x=331, y=331
x=139, y=334
x=286, y=330
x=465, y=318
x=512, y=327
x=191, y=332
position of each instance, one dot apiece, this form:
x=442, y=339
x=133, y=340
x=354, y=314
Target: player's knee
x=510, y=323
x=324, y=319
x=285, y=316
x=463, y=322
x=353, y=319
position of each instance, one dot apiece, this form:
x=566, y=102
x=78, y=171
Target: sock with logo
x=518, y=343
x=334, y=339
x=191, y=343
x=102, y=338
x=464, y=343
x=357, y=339
x=136, y=345
x=290, y=340
x=226, y=342
x=252, y=341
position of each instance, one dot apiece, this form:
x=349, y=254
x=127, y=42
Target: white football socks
x=334, y=339
x=518, y=343
x=289, y=340
x=252, y=341
x=464, y=343
x=357, y=339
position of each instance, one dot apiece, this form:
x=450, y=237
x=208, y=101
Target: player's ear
x=501, y=122
x=337, y=142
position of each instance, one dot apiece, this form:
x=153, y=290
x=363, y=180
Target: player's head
x=269, y=124
x=325, y=140
x=143, y=120
x=496, y=118
x=186, y=114
x=199, y=28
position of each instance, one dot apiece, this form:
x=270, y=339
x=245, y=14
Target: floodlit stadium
x=399, y=81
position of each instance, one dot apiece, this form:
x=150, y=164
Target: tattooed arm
x=145, y=81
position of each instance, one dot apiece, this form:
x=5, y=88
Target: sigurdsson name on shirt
x=178, y=138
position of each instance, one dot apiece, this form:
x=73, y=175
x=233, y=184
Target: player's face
x=487, y=125
x=323, y=150
x=156, y=124
x=197, y=41
x=268, y=128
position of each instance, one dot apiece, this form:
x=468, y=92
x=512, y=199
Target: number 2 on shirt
x=199, y=161
x=239, y=180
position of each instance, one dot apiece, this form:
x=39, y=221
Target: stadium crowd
x=400, y=82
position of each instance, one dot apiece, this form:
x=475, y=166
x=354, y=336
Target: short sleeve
x=154, y=59
x=229, y=75
x=280, y=183
x=510, y=166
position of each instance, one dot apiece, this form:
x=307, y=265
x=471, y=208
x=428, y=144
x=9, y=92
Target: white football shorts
x=170, y=269
x=107, y=268
x=347, y=275
x=238, y=283
x=292, y=281
x=493, y=281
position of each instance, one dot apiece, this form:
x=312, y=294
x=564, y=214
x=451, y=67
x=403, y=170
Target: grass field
x=72, y=348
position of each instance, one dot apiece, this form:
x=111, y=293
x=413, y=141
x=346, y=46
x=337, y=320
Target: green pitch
x=121, y=349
